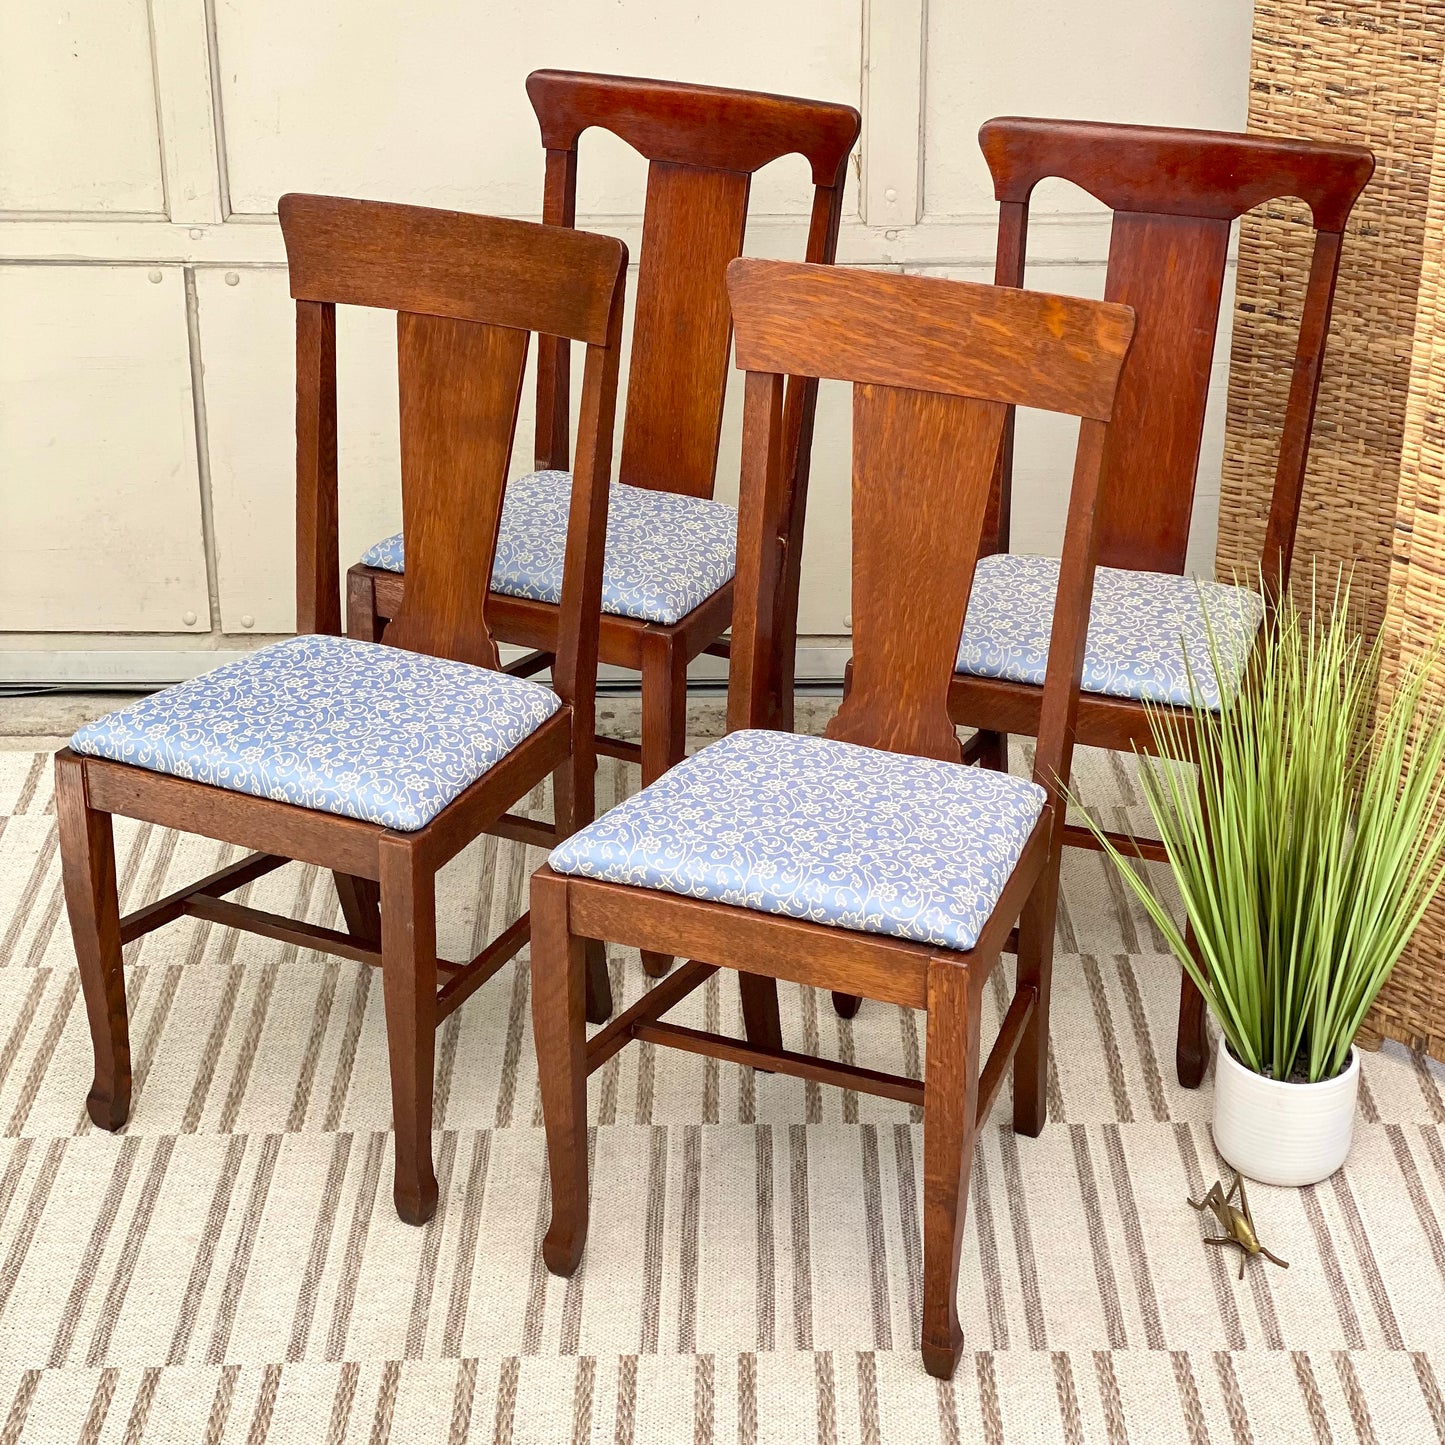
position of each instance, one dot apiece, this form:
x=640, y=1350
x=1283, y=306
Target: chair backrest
x=935, y=365
x=1175, y=194
x=468, y=291
x=702, y=144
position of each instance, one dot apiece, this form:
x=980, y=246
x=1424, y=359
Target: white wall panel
x=99, y=498
x=426, y=102
x=77, y=107
x=1149, y=62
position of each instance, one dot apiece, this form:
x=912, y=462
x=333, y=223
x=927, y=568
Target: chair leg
x=87, y=860
x=664, y=730
x=761, y=1023
x=950, y=1107
x=846, y=1005
x=362, y=621
x=572, y=809
x=408, y=976
x=1191, y=1048
x=360, y=906
x=1191, y=1045
x=559, y=965
x=1035, y=971
x=993, y=751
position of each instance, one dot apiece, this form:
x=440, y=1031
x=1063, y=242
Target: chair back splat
x=1175, y=194
x=934, y=365
x=462, y=335
x=703, y=144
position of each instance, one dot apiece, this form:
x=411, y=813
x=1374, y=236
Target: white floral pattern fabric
x=665, y=553
x=820, y=830
x=354, y=728
x=1142, y=626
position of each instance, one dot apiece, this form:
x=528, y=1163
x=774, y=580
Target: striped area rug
x=230, y=1267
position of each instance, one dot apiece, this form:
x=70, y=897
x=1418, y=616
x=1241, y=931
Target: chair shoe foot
x=656, y=965
x=562, y=1254
x=941, y=1360
x=1029, y=1125
x=1189, y=1065
x=416, y=1202
x=108, y=1111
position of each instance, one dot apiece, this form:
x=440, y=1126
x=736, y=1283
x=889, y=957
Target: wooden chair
x=1174, y=194
x=668, y=590
x=870, y=860
x=379, y=762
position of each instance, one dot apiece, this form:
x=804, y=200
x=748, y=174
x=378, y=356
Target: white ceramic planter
x=1279, y=1133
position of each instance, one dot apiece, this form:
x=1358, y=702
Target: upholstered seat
x=353, y=728
x=1142, y=626
x=826, y=831
x=665, y=553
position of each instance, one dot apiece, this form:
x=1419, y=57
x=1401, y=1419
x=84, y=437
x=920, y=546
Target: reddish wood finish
x=702, y=144
x=692, y=227
x=933, y=364
x=318, y=574
x=457, y=438
x=1175, y=194
x=87, y=865
x=902, y=637
x=467, y=290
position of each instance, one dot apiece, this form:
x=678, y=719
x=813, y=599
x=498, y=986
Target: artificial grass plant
x=1310, y=847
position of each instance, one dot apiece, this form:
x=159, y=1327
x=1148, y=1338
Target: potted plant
x=1305, y=853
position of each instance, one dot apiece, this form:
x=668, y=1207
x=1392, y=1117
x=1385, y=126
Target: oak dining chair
x=379, y=762
x=667, y=591
x=872, y=859
x=1174, y=195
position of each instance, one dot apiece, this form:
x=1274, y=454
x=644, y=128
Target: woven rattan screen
x=1375, y=495
x=1361, y=72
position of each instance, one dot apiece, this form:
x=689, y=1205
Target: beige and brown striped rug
x=230, y=1268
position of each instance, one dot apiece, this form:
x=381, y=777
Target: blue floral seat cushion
x=820, y=830
x=665, y=553
x=353, y=728
x=1142, y=626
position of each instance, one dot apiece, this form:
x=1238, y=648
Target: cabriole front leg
x=950, y=1104
x=87, y=860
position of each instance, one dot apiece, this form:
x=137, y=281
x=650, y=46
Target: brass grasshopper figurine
x=1238, y=1223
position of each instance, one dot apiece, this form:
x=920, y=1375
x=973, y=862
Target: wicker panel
x=1412, y=1006
x=1363, y=72
x=1375, y=496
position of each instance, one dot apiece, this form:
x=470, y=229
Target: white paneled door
x=100, y=502
x=146, y=446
